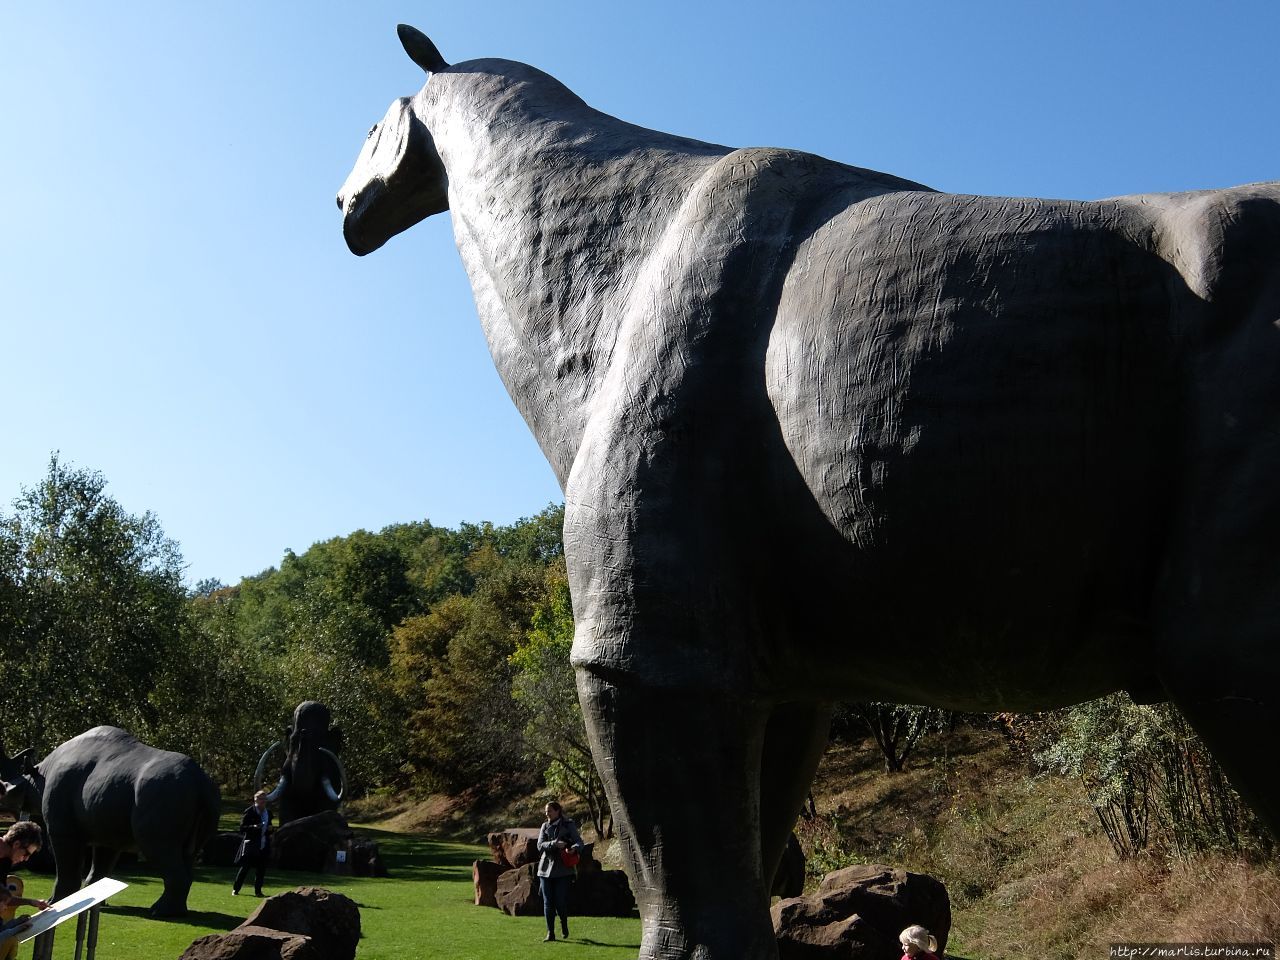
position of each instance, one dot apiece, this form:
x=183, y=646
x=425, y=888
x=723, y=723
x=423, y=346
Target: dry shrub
x=1029, y=870
x=1213, y=898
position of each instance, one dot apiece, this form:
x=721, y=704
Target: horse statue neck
x=555, y=207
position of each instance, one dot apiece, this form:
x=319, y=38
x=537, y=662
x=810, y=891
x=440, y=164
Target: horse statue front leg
x=669, y=757
x=705, y=788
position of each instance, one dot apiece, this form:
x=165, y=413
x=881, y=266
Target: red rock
x=518, y=893
x=309, y=923
x=252, y=943
x=514, y=847
x=858, y=913
x=484, y=877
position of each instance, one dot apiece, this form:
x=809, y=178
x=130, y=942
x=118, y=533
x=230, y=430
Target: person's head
x=553, y=810
x=23, y=839
x=915, y=939
x=260, y=799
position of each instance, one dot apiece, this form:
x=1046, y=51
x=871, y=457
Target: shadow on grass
x=194, y=918
x=600, y=943
x=406, y=857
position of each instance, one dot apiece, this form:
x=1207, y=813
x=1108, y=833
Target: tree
x=219, y=699
x=1150, y=778
x=466, y=727
x=555, y=733
x=91, y=609
x=898, y=729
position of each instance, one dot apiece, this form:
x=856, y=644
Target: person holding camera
x=559, y=846
x=255, y=843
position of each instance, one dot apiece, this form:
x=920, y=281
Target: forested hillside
x=414, y=636
x=444, y=656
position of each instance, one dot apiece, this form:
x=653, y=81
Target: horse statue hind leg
x=1219, y=598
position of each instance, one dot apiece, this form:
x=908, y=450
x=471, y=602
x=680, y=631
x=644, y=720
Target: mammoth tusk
x=342, y=778
x=333, y=795
x=262, y=767
x=274, y=795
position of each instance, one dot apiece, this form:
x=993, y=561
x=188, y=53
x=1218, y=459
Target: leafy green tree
x=92, y=607
x=1151, y=780
x=555, y=734
x=467, y=729
x=897, y=729
x=219, y=699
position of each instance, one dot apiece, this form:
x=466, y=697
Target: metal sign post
x=85, y=904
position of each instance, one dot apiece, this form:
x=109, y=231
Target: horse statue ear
x=420, y=49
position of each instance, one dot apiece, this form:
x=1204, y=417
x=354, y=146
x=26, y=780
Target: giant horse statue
x=826, y=433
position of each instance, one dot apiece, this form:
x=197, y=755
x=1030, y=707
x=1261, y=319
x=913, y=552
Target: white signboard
x=71, y=906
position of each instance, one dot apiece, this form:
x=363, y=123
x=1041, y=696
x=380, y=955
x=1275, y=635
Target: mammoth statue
x=109, y=791
x=312, y=778
x=825, y=433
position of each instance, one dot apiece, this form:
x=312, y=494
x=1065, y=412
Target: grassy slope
x=1028, y=870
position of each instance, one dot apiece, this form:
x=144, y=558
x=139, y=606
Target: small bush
x=1151, y=780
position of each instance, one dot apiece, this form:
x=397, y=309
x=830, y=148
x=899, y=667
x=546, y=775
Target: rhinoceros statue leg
x=103, y=863
x=173, y=862
x=176, y=870
x=70, y=853
x=705, y=788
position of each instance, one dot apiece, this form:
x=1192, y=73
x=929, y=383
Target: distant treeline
x=443, y=653
x=444, y=656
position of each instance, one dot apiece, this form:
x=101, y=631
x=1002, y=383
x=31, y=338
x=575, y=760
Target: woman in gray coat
x=558, y=834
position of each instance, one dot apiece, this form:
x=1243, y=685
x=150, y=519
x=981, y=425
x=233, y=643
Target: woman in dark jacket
x=255, y=834
x=557, y=835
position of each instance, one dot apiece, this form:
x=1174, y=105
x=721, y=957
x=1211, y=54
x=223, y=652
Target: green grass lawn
x=422, y=910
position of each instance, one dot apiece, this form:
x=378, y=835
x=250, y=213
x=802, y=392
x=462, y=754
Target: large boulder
x=484, y=877
x=366, y=859
x=514, y=847
x=309, y=843
x=331, y=918
x=858, y=913
x=324, y=843
x=601, y=893
x=588, y=863
x=309, y=923
x=252, y=943
x=517, y=892
x=596, y=893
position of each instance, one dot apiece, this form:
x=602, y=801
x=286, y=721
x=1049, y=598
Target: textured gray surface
x=108, y=791
x=824, y=433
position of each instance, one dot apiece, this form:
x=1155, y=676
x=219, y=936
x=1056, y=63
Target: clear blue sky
x=179, y=311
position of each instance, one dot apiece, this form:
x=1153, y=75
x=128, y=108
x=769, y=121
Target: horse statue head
x=398, y=179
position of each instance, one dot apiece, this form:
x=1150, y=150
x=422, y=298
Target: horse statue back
x=825, y=433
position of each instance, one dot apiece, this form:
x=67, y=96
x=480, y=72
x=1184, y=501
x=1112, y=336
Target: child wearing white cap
x=918, y=944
